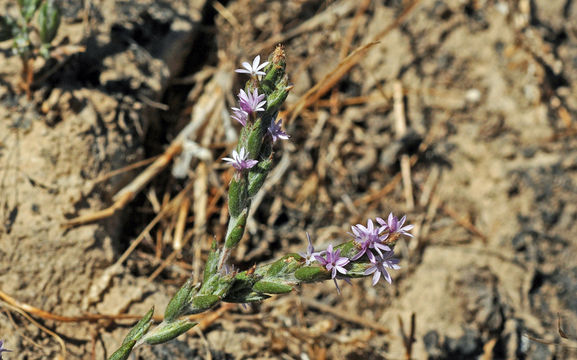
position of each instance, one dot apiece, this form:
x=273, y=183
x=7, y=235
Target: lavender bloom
x=310, y=255
x=240, y=160
x=333, y=262
x=395, y=226
x=379, y=266
x=253, y=69
x=3, y=349
x=240, y=115
x=251, y=102
x=276, y=131
x=368, y=238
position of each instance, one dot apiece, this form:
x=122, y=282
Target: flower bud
x=275, y=70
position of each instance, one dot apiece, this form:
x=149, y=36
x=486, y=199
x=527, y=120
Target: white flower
x=254, y=69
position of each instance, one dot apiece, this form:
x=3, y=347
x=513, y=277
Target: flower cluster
x=250, y=103
x=370, y=241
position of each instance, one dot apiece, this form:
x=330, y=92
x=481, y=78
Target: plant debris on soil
x=459, y=114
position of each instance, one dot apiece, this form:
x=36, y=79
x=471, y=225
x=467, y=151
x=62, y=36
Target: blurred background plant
x=32, y=33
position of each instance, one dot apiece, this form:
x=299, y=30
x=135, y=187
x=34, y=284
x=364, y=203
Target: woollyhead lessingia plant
x=369, y=252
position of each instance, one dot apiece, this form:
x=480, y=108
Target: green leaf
x=277, y=98
x=179, y=301
x=257, y=176
x=237, y=195
x=211, y=266
x=123, y=352
x=255, y=138
x=28, y=8
x=201, y=303
x=140, y=328
x=235, y=230
x=48, y=21
x=285, y=265
x=312, y=274
x=251, y=296
x=168, y=331
x=272, y=286
x=357, y=269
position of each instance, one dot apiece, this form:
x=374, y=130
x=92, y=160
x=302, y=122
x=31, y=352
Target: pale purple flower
x=368, y=238
x=251, y=102
x=240, y=115
x=380, y=264
x=276, y=131
x=333, y=262
x=3, y=349
x=395, y=226
x=240, y=160
x=310, y=255
x=254, y=69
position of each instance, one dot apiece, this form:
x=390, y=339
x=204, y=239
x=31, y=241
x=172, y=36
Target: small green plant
x=31, y=39
x=369, y=252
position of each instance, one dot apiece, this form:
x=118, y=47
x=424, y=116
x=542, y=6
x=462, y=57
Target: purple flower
x=276, y=132
x=333, y=262
x=240, y=160
x=368, y=238
x=380, y=264
x=3, y=349
x=253, y=69
x=395, y=226
x=310, y=255
x=251, y=102
x=240, y=115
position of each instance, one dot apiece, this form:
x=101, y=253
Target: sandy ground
x=489, y=157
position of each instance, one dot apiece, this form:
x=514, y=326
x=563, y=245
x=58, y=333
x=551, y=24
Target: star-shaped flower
x=395, y=226
x=334, y=262
x=380, y=264
x=368, y=238
x=276, y=131
x=310, y=255
x=240, y=160
x=251, y=102
x=254, y=69
x=240, y=115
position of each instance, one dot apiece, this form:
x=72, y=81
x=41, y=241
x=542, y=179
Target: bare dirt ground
x=489, y=159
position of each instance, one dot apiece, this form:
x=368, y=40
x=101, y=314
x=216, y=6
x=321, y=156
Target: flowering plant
x=369, y=252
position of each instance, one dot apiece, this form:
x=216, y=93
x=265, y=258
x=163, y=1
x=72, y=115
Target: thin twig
x=401, y=127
